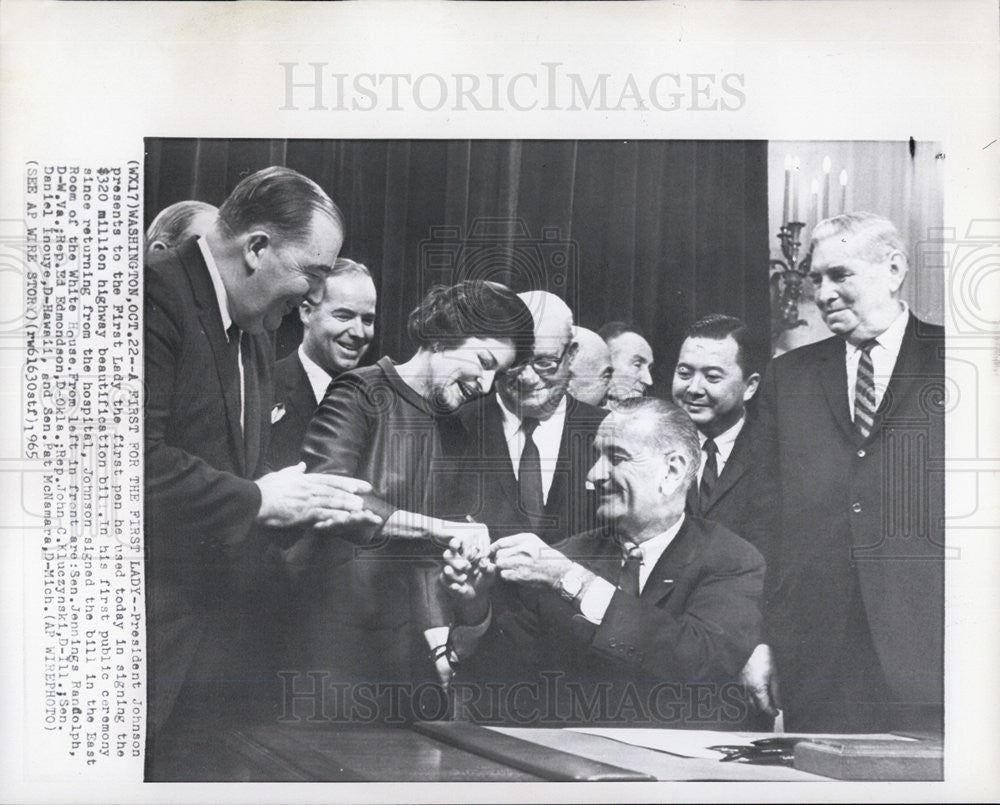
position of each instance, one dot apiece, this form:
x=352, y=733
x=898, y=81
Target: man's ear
x=674, y=471
x=898, y=267
x=753, y=382
x=157, y=246
x=305, y=308
x=254, y=245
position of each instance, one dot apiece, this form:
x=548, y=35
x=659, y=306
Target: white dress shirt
x=725, y=442
x=547, y=437
x=227, y=321
x=597, y=598
x=318, y=378
x=884, y=355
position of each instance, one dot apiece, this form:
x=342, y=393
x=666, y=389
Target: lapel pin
x=277, y=413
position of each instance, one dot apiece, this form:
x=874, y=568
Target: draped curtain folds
x=654, y=232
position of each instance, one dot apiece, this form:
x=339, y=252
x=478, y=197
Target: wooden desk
x=334, y=753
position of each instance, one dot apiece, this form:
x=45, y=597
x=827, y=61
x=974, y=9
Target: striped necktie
x=628, y=581
x=864, y=391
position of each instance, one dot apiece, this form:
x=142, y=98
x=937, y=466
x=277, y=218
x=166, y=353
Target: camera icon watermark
x=502, y=250
x=971, y=267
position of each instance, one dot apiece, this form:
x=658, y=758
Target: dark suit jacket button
x=856, y=508
x=861, y=452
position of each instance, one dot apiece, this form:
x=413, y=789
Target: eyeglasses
x=543, y=365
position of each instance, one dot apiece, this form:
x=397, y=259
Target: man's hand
x=471, y=540
x=760, y=680
x=526, y=559
x=468, y=582
x=465, y=578
x=292, y=497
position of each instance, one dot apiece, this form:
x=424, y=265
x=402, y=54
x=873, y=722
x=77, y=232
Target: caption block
x=82, y=404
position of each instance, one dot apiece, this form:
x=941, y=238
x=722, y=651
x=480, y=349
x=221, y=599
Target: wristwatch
x=571, y=585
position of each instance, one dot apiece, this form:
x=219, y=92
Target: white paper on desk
x=695, y=743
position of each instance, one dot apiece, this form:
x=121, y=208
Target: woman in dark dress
x=387, y=424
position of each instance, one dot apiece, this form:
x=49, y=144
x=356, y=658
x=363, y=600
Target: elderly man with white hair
x=590, y=370
x=531, y=440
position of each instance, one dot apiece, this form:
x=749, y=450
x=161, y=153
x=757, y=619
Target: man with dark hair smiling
x=338, y=324
x=713, y=381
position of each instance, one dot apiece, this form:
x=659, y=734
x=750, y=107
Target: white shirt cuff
x=464, y=639
x=596, y=600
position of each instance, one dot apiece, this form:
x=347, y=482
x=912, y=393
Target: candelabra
x=786, y=280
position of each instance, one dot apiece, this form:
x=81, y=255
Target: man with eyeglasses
x=531, y=440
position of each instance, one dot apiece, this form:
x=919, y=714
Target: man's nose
x=695, y=386
x=598, y=471
x=528, y=375
x=645, y=376
x=827, y=291
x=356, y=329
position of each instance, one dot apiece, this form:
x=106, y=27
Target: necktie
x=628, y=582
x=864, y=391
x=529, y=473
x=252, y=436
x=234, y=336
x=710, y=474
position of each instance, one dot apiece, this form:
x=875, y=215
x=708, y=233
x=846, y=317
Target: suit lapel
x=732, y=472
x=211, y=324
x=495, y=446
x=557, y=503
x=298, y=396
x=833, y=379
x=668, y=567
x=906, y=372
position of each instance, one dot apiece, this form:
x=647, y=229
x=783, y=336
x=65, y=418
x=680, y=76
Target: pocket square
x=277, y=413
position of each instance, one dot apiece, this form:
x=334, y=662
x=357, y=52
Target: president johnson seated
x=645, y=621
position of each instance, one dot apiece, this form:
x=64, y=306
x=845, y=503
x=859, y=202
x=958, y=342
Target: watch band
x=573, y=582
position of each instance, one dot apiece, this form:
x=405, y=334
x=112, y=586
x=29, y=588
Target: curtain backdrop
x=656, y=233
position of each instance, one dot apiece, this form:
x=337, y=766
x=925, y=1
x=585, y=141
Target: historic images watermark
x=319, y=87
x=552, y=700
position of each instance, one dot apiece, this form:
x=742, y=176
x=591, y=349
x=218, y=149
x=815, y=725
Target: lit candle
x=814, y=203
x=796, y=166
x=788, y=188
x=843, y=192
x=826, y=187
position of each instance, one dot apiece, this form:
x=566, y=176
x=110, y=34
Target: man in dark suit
x=849, y=510
x=646, y=620
x=530, y=441
x=713, y=381
x=337, y=329
x=208, y=307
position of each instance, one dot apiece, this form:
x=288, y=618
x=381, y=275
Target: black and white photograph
x=458, y=401
x=478, y=460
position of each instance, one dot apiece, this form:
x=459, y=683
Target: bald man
x=590, y=370
x=531, y=440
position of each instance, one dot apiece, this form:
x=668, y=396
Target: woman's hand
x=470, y=540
